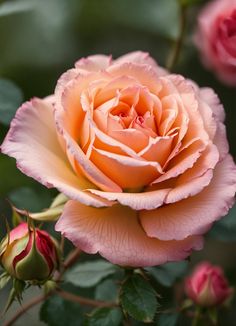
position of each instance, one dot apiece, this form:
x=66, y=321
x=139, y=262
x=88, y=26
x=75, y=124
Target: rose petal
x=137, y=201
x=143, y=74
x=141, y=58
x=158, y=149
x=94, y=62
x=33, y=141
x=117, y=235
x=127, y=172
x=194, y=215
x=221, y=141
x=210, y=97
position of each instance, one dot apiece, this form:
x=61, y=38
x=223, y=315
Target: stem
x=24, y=308
x=197, y=317
x=71, y=258
x=84, y=301
x=174, y=55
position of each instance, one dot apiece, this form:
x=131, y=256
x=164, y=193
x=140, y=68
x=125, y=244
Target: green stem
x=175, y=53
x=197, y=317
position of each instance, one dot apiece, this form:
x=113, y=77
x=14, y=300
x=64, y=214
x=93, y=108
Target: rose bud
x=216, y=39
x=29, y=255
x=207, y=286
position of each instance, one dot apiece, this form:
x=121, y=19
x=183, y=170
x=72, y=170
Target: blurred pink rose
x=207, y=286
x=147, y=146
x=216, y=38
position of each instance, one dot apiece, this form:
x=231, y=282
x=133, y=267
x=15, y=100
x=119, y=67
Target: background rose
x=125, y=135
x=207, y=286
x=216, y=38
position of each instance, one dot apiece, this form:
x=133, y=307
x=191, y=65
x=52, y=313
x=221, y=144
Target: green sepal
x=33, y=267
x=15, y=293
x=49, y=286
x=59, y=200
x=16, y=218
x=4, y=279
x=188, y=303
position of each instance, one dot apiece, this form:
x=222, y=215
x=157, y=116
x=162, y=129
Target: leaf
x=168, y=273
x=105, y=317
x=90, y=273
x=225, y=229
x=106, y=291
x=29, y=199
x=15, y=7
x=10, y=99
x=167, y=319
x=56, y=311
x=138, y=298
x=4, y=279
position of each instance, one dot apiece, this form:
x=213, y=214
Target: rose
x=207, y=286
x=216, y=38
x=28, y=254
x=142, y=154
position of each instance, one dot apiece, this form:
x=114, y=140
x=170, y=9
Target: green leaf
x=106, y=291
x=225, y=229
x=15, y=7
x=29, y=199
x=56, y=311
x=105, y=317
x=167, y=319
x=168, y=273
x=4, y=279
x=138, y=298
x=10, y=99
x=90, y=273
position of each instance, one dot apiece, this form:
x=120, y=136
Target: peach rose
x=141, y=153
x=216, y=38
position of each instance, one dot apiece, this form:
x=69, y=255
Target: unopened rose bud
x=207, y=286
x=29, y=255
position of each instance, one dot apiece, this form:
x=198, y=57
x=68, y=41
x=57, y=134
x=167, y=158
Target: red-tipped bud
x=207, y=286
x=29, y=254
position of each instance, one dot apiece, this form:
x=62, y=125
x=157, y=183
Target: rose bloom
x=141, y=153
x=216, y=38
x=207, y=286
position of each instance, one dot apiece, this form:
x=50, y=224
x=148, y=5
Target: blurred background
x=40, y=39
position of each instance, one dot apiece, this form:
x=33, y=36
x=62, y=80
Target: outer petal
x=94, y=62
x=220, y=140
x=140, y=57
x=18, y=232
x=117, y=235
x=33, y=141
x=194, y=215
x=210, y=97
x=137, y=201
